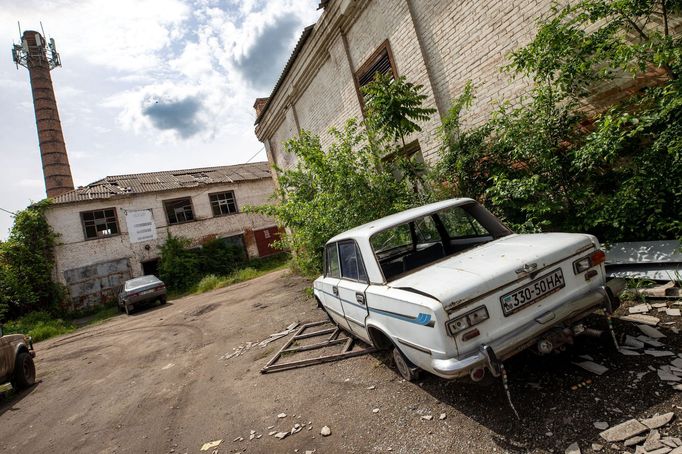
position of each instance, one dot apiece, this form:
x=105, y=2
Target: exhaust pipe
x=477, y=374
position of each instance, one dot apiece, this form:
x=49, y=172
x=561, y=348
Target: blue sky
x=145, y=85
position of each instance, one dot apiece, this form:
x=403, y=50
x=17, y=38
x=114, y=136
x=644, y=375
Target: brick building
x=440, y=44
x=111, y=230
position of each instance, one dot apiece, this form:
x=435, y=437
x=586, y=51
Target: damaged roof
x=299, y=45
x=141, y=183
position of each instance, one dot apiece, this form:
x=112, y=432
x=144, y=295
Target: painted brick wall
x=75, y=252
x=460, y=41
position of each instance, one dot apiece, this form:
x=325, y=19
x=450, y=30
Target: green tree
x=550, y=163
x=178, y=266
x=27, y=264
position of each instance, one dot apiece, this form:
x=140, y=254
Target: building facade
x=112, y=229
x=439, y=44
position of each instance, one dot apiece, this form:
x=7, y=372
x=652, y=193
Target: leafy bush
x=354, y=180
x=26, y=264
x=40, y=325
x=178, y=266
x=551, y=165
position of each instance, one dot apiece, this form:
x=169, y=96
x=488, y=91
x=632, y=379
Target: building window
x=99, y=223
x=223, y=203
x=381, y=61
x=179, y=210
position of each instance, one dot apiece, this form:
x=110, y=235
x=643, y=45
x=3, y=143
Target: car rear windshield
x=140, y=281
x=417, y=243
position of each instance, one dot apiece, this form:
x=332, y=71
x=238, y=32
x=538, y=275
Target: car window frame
x=360, y=262
x=326, y=260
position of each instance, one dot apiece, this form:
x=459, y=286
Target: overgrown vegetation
x=40, y=325
x=350, y=183
x=546, y=163
x=255, y=268
x=181, y=268
x=26, y=264
x=554, y=164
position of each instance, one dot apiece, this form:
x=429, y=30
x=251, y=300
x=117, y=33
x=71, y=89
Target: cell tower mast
x=40, y=57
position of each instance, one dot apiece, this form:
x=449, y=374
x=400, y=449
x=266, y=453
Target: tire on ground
x=24, y=371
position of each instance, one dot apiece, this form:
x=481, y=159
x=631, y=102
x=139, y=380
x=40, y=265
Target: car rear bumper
x=149, y=297
x=521, y=338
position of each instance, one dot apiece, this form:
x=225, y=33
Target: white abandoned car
x=454, y=292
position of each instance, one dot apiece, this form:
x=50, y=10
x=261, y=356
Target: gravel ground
x=160, y=381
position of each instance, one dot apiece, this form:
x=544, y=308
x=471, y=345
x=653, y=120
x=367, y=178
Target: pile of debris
x=633, y=433
x=243, y=348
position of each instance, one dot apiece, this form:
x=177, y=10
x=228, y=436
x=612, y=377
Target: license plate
x=532, y=292
x=146, y=292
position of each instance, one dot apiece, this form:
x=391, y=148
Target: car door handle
x=335, y=289
x=360, y=298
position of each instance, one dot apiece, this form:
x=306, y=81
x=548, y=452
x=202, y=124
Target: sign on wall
x=141, y=226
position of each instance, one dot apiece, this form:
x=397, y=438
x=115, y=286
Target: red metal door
x=264, y=240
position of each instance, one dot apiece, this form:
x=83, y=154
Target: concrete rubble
x=573, y=449
x=243, y=348
x=325, y=431
x=593, y=367
x=644, y=435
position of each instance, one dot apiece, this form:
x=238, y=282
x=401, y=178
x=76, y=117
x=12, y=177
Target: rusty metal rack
x=333, y=339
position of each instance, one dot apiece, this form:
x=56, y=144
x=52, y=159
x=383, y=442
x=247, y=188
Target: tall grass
x=39, y=325
x=256, y=268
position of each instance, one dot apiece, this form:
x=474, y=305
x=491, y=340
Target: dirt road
x=158, y=382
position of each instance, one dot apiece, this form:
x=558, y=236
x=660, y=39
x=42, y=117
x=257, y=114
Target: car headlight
x=467, y=320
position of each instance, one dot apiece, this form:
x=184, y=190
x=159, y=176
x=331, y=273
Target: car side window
x=351, y=263
x=459, y=223
x=333, y=269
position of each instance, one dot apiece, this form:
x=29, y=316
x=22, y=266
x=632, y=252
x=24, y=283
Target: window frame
x=234, y=199
x=360, y=261
x=177, y=199
x=326, y=260
x=99, y=237
x=358, y=74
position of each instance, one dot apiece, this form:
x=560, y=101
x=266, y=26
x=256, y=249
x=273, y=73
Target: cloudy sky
x=145, y=85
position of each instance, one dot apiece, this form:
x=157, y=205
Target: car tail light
x=467, y=320
x=585, y=263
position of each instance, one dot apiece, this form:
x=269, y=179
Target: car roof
x=364, y=231
x=141, y=280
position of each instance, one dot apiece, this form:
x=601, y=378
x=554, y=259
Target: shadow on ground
x=557, y=401
x=10, y=399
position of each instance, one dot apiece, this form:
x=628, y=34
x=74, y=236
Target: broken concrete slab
x=633, y=342
x=628, y=352
x=641, y=318
x=650, y=341
x=667, y=376
x=653, y=441
x=596, y=447
x=663, y=450
x=623, y=431
x=573, y=449
x=211, y=444
x=639, y=309
x=659, y=353
x=658, y=420
x=676, y=451
x=281, y=435
x=673, y=312
x=650, y=331
x=634, y=440
x=677, y=362
x=593, y=367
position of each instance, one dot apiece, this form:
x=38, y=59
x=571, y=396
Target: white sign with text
x=141, y=226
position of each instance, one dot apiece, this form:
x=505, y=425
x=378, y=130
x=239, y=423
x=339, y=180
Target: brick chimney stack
x=259, y=104
x=56, y=169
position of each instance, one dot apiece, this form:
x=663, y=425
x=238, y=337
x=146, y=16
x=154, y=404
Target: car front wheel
x=24, y=372
x=129, y=309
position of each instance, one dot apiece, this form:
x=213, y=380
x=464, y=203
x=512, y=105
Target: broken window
x=99, y=223
x=179, y=210
x=381, y=61
x=223, y=203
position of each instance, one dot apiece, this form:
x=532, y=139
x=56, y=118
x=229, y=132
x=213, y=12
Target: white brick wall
x=464, y=40
x=74, y=251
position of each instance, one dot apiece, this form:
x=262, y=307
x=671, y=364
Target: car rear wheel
x=406, y=369
x=162, y=300
x=24, y=372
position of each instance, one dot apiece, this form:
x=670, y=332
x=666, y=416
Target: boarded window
x=381, y=61
x=99, y=223
x=223, y=203
x=179, y=210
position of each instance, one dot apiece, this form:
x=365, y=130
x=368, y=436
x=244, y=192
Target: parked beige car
x=16, y=360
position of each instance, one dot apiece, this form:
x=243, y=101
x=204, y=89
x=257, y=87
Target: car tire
x=129, y=309
x=24, y=372
x=162, y=300
x=405, y=368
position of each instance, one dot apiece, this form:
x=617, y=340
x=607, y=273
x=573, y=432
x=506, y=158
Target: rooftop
x=141, y=183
